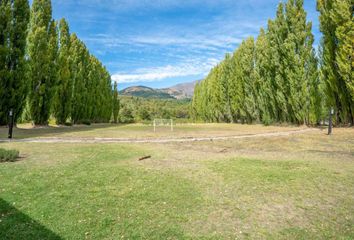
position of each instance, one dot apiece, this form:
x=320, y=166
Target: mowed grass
x=289, y=187
x=141, y=131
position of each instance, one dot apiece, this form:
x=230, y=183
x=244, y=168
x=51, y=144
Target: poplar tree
x=315, y=95
x=195, y=110
x=247, y=64
x=224, y=88
x=215, y=95
x=92, y=87
x=42, y=60
x=14, y=18
x=272, y=79
x=79, y=56
x=115, y=103
x=277, y=32
x=296, y=57
x=5, y=20
x=337, y=26
x=107, y=88
x=233, y=86
x=63, y=95
x=263, y=82
x=94, y=97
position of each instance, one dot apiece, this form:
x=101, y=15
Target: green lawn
x=142, y=131
x=289, y=187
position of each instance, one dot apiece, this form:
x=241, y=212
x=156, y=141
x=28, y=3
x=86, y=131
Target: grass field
x=286, y=187
x=141, y=131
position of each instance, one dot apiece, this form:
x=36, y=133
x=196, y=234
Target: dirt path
x=151, y=140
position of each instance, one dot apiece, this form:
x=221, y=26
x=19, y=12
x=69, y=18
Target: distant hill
x=145, y=92
x=179, y=91
x=182, y=90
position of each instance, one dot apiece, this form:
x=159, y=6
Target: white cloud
x=123, y=5
x=191, y=42
x=165, y=72
x=170, y=45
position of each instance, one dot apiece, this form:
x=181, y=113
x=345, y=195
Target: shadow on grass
x=20, y=133
x=17, y=225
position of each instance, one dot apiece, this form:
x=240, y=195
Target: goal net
x=164, y=123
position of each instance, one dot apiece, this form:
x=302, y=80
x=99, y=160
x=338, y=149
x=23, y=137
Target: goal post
x=163, y=122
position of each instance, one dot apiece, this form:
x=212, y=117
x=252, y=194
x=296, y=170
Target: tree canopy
x=48, y=70
x=279, y=77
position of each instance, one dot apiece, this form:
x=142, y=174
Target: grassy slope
x=287, y=187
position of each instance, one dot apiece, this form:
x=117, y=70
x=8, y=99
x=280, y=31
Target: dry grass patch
x=290, y=187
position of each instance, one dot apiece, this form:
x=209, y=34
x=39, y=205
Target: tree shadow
x=22, y=133
x=17, y=225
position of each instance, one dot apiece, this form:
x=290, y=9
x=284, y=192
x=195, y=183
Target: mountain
x=145, y=92
x=179, y=91
x=182, y=90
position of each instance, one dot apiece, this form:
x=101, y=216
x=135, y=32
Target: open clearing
x=297, y=186
x=159, y=139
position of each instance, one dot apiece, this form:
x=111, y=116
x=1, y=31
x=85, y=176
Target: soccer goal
x=164, y=123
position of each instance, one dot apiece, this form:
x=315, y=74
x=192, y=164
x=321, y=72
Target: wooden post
x=11, y=123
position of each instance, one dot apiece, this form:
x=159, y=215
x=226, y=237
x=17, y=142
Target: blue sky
x=159, y=43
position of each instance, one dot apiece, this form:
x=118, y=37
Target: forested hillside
x=137, y=109
x=278, y=77
x=46, y=71
x=145, y=92
x=180, y=91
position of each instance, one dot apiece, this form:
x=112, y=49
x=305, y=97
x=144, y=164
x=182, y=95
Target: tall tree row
x=42, y=51
x=271, y=79
x=49, y=68
x=91, y=85
x=115, y=103
x=62, y=105
x=337, y=55
x=14, y=18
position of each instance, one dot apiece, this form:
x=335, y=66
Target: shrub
x=8, y=155
x=126, y=115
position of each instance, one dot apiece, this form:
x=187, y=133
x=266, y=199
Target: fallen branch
x=223, y=151
x=144, y=158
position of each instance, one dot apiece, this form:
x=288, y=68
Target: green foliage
x=58, y=76
x=272, y=79
x=42, y=51
x=126, y=114
x=145, y=92
x=8, y=155
x=115, y=103
x=337, y=26
x=92, y=89
x=63, y=91
x=14, y=18
x=134, y=109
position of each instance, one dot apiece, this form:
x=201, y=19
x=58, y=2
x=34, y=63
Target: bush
x=126, y=115
x=8, y=155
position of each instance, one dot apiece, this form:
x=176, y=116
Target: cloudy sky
x=158, y=43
